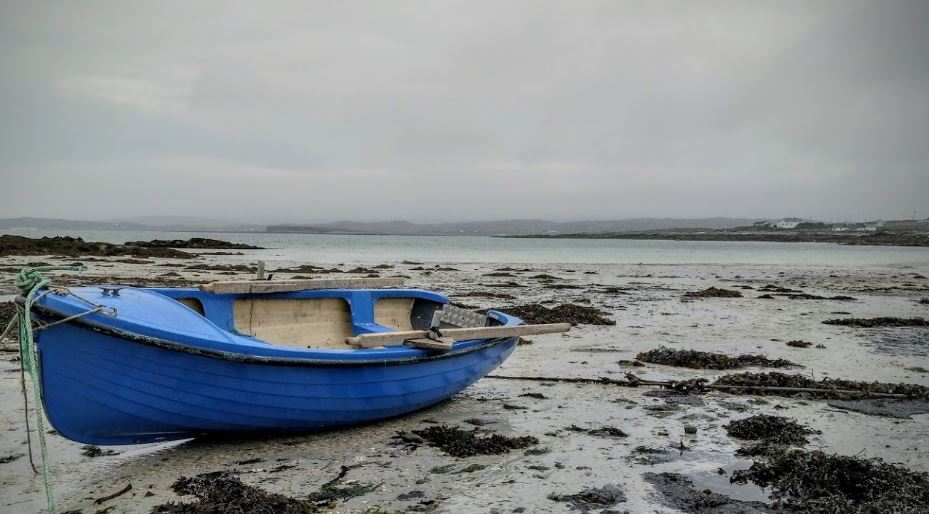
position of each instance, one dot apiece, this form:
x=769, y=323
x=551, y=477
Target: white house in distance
x=788, y=223
x=781, y=224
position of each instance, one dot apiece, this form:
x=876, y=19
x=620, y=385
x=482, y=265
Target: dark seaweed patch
x=564, y=313
x=713, y=292
x=815, y=482
x=708, y=360
x=467, y=443
x=770, y=432
x=92, y=451
x=885, y=321
x=833, y=387
x=223, y=493
x=592, y=498
x=10, y=458
x=604, y=431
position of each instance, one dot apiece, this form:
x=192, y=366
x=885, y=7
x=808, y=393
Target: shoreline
x=912, y=240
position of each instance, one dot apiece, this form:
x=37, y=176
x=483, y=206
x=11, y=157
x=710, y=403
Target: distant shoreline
x=871, y=239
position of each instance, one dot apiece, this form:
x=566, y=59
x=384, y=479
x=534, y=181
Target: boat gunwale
x=244, y=358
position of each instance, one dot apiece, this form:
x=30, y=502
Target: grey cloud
x=563, y=110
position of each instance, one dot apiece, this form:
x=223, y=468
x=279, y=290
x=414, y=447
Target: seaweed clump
x=222, y=493
x=885, y=321
x=464, y=443
x=815, y=482
x=604, y=431
x=564, y=313
x=709, y=360
x=592, y=498
x=827, y=388
x=89, y=450
x=713, y=292
x=772, y=433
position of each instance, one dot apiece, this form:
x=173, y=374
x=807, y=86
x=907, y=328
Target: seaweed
x=884, y=321
x=500, y=274
x=815, y=482
x=10, y=458
x=468, y=443
x=708, y=360
x=564, y=313
x=592, y=498
x=242, y=268
x=807, y=296
x=713, y=292
x=89, y=450
x=764, y=426
x=771, y=288
x=223, y=493
x=833, y=389
x=604, y=431
x=773, y=433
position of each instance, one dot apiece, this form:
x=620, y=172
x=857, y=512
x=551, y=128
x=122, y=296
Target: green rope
x=30, y=281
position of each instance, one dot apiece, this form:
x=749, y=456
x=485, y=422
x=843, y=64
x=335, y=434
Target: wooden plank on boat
x=285, y=286
x=458, y=334
x=427, y=343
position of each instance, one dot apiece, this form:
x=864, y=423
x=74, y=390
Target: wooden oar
x=456, y=334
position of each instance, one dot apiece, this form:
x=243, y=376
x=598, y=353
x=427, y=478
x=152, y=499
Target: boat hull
x=108, y=388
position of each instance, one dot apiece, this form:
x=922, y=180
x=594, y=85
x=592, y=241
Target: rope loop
x=30, y=281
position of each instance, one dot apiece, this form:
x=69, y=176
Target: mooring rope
x=30, y=281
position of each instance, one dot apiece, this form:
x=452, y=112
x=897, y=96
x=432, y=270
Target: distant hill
x=190, y=224
x=163, y=223
x=63, y=224
x=509, y=227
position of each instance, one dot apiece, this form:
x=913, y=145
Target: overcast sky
x=299, y=111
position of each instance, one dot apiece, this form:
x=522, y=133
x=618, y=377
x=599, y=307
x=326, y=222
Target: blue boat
x=125, y=365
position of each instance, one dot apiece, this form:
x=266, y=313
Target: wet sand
x=648, y=304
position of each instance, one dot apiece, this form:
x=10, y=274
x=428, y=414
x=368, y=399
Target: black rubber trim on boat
x=256, y=359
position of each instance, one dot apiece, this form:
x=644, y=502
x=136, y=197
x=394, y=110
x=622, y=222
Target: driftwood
x=109, y=497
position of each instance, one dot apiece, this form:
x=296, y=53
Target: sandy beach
x=660, y=434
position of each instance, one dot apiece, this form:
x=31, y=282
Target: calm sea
x=463, y=249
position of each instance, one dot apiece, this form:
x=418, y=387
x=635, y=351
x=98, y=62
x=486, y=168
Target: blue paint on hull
x=100, y=389
x=102, y=386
